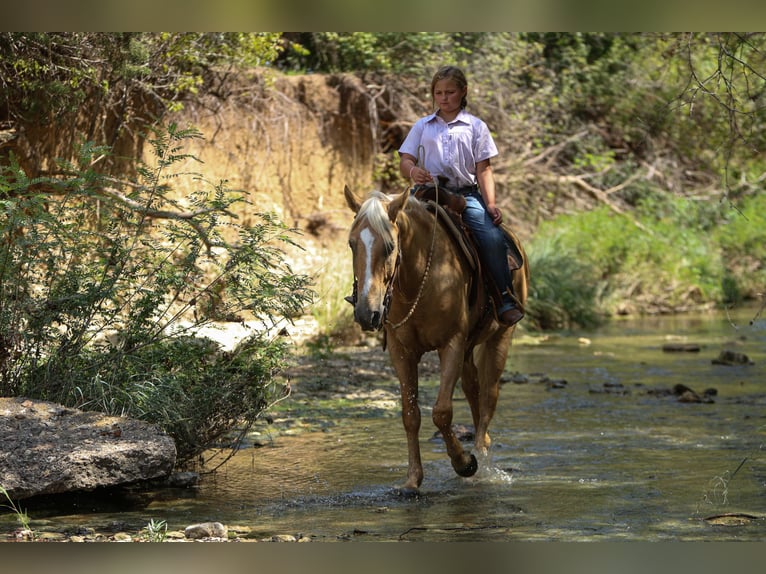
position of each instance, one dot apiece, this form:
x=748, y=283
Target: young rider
x=456, y=147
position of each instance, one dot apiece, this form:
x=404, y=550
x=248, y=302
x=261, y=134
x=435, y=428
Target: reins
x=394, y=277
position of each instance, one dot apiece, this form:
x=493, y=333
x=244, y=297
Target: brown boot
x=511, y=317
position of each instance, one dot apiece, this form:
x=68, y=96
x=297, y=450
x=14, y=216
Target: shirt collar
x=462, y=116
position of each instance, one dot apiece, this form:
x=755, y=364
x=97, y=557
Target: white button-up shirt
x=450, y=149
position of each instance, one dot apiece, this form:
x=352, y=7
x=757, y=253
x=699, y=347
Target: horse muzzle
x=369, y=319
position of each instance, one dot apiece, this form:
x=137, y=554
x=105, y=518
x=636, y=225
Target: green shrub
x=742, y=238
x=672, y=254
x=564, y=289
x=103, y=285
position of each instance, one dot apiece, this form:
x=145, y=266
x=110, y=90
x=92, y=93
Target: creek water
x=590, y=444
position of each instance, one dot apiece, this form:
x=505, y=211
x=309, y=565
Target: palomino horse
x=412, y=280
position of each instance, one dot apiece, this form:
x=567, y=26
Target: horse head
x=374, y=243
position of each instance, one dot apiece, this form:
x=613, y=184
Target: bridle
x=395, y=275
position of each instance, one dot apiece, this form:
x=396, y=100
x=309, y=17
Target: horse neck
x=417, y=244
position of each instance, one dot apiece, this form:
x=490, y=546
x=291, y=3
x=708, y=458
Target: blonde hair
x=456, y=75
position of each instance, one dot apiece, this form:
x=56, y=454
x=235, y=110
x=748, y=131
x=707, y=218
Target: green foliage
x=741, y=235
x=156, y=531
x=728, y=82
x=104, y=284
x=685, y=253
x=398, y=52
x=564, y=290
x=45, y=77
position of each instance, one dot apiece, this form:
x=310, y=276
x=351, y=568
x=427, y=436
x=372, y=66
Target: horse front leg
x=451, y=360
x=406, y=367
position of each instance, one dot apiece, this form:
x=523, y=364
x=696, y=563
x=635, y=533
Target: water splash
x=489, y=473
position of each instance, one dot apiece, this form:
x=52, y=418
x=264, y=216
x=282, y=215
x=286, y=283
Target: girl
x=456, y=147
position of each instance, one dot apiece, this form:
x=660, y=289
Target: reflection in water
x=602, y=455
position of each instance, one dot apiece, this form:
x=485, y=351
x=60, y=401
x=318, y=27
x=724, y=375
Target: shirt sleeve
x=412, y=141
x=484, y=145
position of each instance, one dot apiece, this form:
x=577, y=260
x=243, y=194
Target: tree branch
x=603, y=196
x=187, y=216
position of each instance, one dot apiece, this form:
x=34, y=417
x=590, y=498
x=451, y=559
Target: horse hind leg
x=490, y=358
x=464, y=464
x=470, y=384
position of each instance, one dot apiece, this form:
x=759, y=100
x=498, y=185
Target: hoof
x=407, y=492
x=469, y=469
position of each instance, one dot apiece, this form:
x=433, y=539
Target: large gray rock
x=46, y=448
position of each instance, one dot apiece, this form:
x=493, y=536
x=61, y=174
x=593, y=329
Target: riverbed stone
x=283, y=538
x=123, y=537
x=47, y=448
x=183, y=479
x=685, y=394
x=730, y=358
x=676, y=347
x=206, y=530
x=50, y=537
x=515, y=378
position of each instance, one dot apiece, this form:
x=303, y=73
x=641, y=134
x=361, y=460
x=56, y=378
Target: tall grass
x=21, y=515
x=333, y=281
x=673, y=254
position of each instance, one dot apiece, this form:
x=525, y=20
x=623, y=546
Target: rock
x=183, y=479
x=516, y=378
x=464, y=433
x=685, y=394
x=50, y=537
x=206, y=530
x=554, y=383
x=24, y=534
x=283, y=538
x=731, y=358
x=732, y=519
x=688, y=395
x=611, y=389
x=681, y=348
x=46, y=448
x=122, y=537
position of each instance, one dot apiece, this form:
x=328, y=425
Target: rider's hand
x=494, y=213
x=420, y=176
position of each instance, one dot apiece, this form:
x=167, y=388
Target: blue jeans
x=492, y=245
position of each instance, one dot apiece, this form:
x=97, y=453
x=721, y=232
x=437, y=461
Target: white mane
x=374, y=211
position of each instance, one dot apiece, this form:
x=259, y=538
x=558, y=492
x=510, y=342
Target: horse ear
x=397, y=204
x=351, y=200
